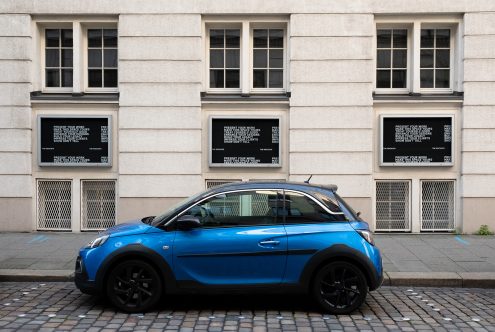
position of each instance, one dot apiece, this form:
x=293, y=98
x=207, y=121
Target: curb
x=440, y=279
x=417, y=279
x=36, y=275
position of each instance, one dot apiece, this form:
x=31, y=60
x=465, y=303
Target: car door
x=240, y=241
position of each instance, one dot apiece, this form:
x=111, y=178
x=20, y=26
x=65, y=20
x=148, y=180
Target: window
x=54, y=208
x=437, y=205
x=300, y=209
x=98, y=204
x=78, y=57
x=435, y=58
x=391, y=58
x=248, y=208
x=392, y=212
x=102, y=58
x=58, y=58
x=225, y=58
x=246, y=57
x=415, y=55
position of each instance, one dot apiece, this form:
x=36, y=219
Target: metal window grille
x=393, y=206
x=98, y=204
x=214, y=183
x=437, y=205
x=54, y=205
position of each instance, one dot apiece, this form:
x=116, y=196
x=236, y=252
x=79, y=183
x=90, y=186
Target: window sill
x=39, y=97
x=236, y=97
x=455, y=97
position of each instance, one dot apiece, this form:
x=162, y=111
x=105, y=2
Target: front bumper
x=81, y=279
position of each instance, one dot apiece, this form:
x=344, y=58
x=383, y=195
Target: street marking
x=459, y=239
x=21, y=315
x=38, y=239
x=82, y=316
x=475, y=319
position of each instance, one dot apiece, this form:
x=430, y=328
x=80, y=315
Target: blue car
x=240, y=237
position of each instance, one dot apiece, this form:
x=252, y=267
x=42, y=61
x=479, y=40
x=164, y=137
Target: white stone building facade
x=331, y=71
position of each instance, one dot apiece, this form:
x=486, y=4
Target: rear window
x=349, y=211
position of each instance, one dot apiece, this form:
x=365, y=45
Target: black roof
x=301, y=186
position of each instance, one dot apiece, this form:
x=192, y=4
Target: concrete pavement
x=408, y=259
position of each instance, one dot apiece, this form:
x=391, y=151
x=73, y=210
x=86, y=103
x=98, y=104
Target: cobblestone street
x=60, y=306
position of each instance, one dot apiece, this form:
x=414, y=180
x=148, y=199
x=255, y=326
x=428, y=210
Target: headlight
x=367, y=235
x=97, y=242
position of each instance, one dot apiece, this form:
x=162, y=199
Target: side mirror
x=186, y=223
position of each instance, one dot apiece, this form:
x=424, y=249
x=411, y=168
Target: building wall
x=161, y=122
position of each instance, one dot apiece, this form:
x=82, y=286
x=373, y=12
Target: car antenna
x=307, y=181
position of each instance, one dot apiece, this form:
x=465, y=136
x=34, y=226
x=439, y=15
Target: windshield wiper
x=148, y=220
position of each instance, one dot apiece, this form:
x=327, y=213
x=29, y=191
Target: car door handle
x=269, y=243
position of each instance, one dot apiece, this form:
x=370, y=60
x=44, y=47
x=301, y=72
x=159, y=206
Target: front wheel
x=340, y=288
x=134, y=286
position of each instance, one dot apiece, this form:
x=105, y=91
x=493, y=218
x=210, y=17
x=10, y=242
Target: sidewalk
x=408, y=259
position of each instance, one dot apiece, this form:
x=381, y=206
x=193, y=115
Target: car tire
x=339, y=287
x=133, y=286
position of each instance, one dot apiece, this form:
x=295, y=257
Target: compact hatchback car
x=263, y=236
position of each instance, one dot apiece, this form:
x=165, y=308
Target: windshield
x=167, y=214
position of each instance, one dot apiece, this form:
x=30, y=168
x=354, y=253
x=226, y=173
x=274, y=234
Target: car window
x=247, y=208
x=299, y=208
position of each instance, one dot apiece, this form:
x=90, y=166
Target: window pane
x=232, y=78
x=110, y=58
x=232, y=38
x=443, y=38
x=383, y=59
x=67, y=77
x=67, y=58
x=94, y=78
x=260, y=38
x=427, y=38
x=400, y=38
x=232, y=59
x=52, y=58
x=52, y=78
x=66, y=37
x=52, y=37
x=260, y=59
x=259, y=78
x=110, y=37
x=442, y=78
x=94, y=58
x=94, y=38
x=384, y=38
x=426, y=78
x=298, y=208
x=443, y=59
x=426, y=59
x=399, y=79
x=383, y=78
x=276, y=38
x=276, y=58
x=110, y=78
x=276, y=78
x=216, y=78
x=400, y=59
x=216, y=38
x=216, y=59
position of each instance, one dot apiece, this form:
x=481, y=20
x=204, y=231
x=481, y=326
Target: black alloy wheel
x=340, y=288
x=134, y=286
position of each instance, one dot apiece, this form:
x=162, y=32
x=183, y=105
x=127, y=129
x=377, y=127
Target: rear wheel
x=340, y=287
x=134, y=286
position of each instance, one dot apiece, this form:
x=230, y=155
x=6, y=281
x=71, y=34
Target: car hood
x=129, y=228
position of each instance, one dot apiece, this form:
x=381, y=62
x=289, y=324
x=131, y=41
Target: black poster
x=245, y=142
x=411, y=141
x=74, y=141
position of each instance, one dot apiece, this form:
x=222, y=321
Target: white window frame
x=84, y=31
x=246, y=25
x=79, y=28
x=415, y=24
